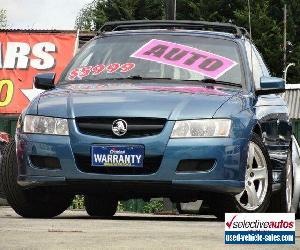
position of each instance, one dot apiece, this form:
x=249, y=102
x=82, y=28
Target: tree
x=3, y=19
x=95, y=14
x=293, y=35
x=266, y=33
x=84, y=19
x=150, y=9
x=208, y=10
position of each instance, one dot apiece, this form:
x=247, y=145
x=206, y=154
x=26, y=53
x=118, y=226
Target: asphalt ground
x=76, y=230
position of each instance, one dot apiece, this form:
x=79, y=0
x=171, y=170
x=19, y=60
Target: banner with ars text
x=22, y=56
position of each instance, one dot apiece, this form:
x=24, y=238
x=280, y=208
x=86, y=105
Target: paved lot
x=76, y=230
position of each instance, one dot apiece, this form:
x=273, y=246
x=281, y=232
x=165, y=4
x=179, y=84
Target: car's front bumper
x=225, y=177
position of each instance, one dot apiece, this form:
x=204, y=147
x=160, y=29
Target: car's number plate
x=117, y=156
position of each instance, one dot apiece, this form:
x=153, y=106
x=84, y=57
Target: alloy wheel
x=256, y=179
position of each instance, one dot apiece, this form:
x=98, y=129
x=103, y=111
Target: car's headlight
x=45, y=125
x=201, y=128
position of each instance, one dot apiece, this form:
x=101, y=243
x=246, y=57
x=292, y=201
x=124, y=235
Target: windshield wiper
x=139, y=77
x=133, y=77
x=213, y=81
x=205, y=80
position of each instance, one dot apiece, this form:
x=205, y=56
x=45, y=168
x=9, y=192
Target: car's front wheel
x=258, y=184
x=100, y=206
x=32, y=203
x=258, y=179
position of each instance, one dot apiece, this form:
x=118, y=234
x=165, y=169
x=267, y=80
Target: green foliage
x=95, y=14
x=140, y=206
x=208, y=10
x=3, y=19
x=85, y=18
x=149, y=9
x=121, y=207
x=267, y=22
x=154, y=206
x=265, y=31
x=78, y=202
x=293, y=31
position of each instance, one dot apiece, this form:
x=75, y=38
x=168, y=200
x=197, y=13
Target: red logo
x=229, y=223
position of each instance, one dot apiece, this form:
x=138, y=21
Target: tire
x=31, y=203
x=2, y=147
x=258, y=181
x=281, y=201
x=178, y=207
x=297, y=214
x=100, y=206
x=219, y=205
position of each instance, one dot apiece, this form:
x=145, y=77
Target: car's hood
x=131, y=100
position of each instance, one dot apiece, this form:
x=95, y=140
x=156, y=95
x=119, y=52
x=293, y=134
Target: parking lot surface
x=76, y=230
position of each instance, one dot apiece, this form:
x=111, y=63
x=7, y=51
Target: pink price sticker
x=185, y=57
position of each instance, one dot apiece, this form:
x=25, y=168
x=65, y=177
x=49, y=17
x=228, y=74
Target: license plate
x=118, y=156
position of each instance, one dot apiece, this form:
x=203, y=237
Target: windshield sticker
x=98, y=69
x=185, y=57
x=80, y=73
x=112, y=68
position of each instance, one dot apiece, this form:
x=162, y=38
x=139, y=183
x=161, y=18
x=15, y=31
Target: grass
x=153, y=206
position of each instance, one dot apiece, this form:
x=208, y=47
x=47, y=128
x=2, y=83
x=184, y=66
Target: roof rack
x=173, y=24
x=244, y=32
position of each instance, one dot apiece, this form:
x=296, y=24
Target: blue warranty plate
x=117, y=156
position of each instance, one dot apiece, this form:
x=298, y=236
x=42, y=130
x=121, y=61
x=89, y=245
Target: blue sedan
x=177, y=109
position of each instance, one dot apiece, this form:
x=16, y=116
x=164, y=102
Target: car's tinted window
x=254, y=64
x=261, y=62
x=116, y=57
x=259, y=67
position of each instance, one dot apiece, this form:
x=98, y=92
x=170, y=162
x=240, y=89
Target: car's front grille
x=136, y=127
x=150, y=166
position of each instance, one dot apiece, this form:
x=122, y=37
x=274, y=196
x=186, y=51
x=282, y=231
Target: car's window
x=259, y=67
x=261, y=62
x=254, y=64
x=157, y=56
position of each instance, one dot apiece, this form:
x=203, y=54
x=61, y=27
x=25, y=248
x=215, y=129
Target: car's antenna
x=250, y=31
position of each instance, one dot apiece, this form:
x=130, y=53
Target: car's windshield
x=176, y=57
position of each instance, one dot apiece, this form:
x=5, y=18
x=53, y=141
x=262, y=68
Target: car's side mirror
x=44, y=81
x=270, y=85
